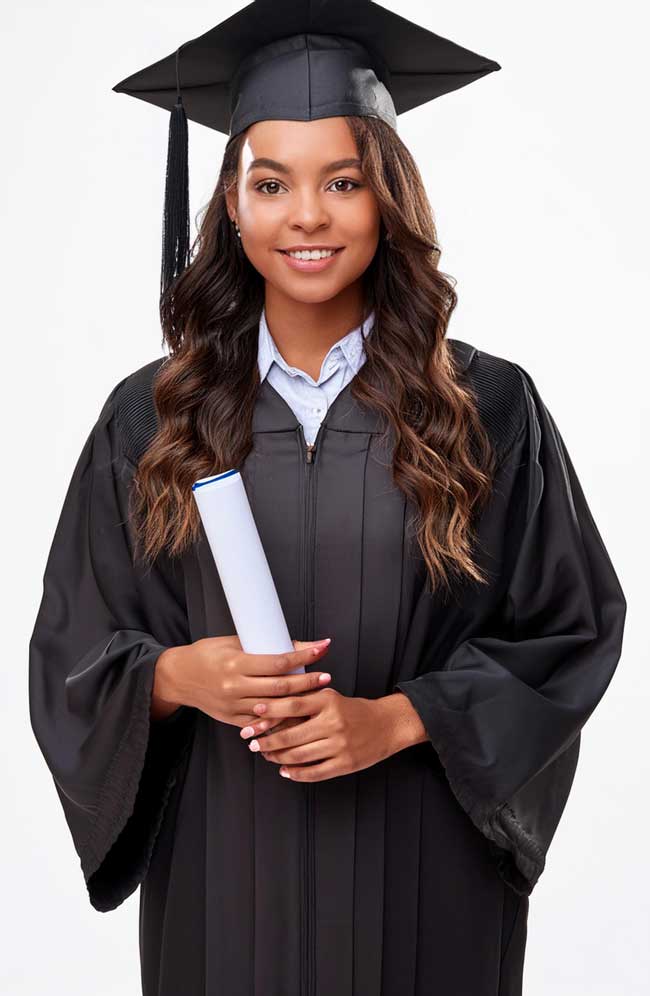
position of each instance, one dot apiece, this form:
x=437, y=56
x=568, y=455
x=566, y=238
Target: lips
x=310, y=265
x=287, y=251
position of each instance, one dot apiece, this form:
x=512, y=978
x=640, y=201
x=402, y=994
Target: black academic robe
x=411, y=877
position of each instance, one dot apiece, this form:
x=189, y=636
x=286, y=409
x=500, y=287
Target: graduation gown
x=411, y=877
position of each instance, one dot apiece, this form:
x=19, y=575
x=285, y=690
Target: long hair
x=205, y=390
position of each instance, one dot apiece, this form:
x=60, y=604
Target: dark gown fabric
x=411, y=877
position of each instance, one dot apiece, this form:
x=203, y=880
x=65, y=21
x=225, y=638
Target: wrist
x=405, y=728
x=165, y=697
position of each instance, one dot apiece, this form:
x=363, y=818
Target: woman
x=417, y=506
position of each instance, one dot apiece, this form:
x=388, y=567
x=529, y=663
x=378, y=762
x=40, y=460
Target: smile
x=310, y=262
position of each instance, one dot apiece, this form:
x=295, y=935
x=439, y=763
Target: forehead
x=299, y=144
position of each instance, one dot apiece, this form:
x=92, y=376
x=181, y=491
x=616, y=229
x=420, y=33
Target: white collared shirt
x=308, y=398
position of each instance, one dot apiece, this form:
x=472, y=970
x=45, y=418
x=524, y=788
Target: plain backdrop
x=537, y=175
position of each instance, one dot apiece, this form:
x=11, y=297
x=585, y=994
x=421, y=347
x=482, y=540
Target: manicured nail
x=253, y=745
x=321, y=646
x=248, y=731
x=324, y=677
x=284, y=773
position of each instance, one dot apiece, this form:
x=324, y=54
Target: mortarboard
x=292, y=60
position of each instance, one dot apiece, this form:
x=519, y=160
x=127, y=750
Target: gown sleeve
x=100, y=628
x=505, y=707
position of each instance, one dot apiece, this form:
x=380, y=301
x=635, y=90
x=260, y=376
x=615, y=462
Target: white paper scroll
x=242, y=565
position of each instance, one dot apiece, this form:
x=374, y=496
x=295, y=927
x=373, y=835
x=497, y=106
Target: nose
x=308, y=212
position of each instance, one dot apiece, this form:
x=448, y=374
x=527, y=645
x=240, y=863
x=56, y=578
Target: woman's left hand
x=341, y=734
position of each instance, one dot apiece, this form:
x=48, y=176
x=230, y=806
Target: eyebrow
x=281, y=168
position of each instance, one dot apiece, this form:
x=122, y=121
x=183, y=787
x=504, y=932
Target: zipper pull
x=310, y=450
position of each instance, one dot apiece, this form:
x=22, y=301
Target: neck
x=304, y=331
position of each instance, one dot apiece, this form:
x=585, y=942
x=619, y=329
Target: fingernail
x=248, y=731
x=321, y=643
x=285, y=774
x=324, y=677
x=253, y=745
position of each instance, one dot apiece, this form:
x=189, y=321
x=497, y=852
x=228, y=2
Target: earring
x=237, y=230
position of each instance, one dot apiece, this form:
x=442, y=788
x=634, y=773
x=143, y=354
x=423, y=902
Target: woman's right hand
x=216, y=676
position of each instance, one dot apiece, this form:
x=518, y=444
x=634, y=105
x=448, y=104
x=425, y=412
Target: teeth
x=312, y=254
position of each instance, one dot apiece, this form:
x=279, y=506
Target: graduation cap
x=292, y=60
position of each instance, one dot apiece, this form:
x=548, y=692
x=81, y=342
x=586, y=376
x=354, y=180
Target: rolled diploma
x=242, y=565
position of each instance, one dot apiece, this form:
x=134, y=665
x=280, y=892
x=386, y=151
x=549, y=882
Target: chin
x=315, y=295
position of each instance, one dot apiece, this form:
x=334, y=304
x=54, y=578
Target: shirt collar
x=351, y=345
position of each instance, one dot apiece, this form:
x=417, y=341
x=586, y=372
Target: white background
x=537, y=175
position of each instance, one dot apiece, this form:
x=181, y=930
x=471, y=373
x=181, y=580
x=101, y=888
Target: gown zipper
x=308, y=981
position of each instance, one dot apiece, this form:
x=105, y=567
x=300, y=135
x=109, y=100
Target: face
x=298, y=186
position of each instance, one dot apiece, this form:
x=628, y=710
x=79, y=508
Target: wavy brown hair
x=205, y=391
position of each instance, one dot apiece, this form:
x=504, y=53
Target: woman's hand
x=341, y=734
x=216, y=676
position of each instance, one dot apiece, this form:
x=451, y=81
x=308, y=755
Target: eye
x=345, y=180
x=265, y=183
x=277, y=186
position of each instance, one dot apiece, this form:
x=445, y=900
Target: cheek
x=262, y=221
x=261, y=230
x=361, y=247
x=360, y=231
x=260, y=245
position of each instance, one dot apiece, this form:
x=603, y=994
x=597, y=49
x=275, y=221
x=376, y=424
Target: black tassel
x=176, y=216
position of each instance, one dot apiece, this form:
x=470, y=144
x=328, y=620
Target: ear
x=231, y=203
